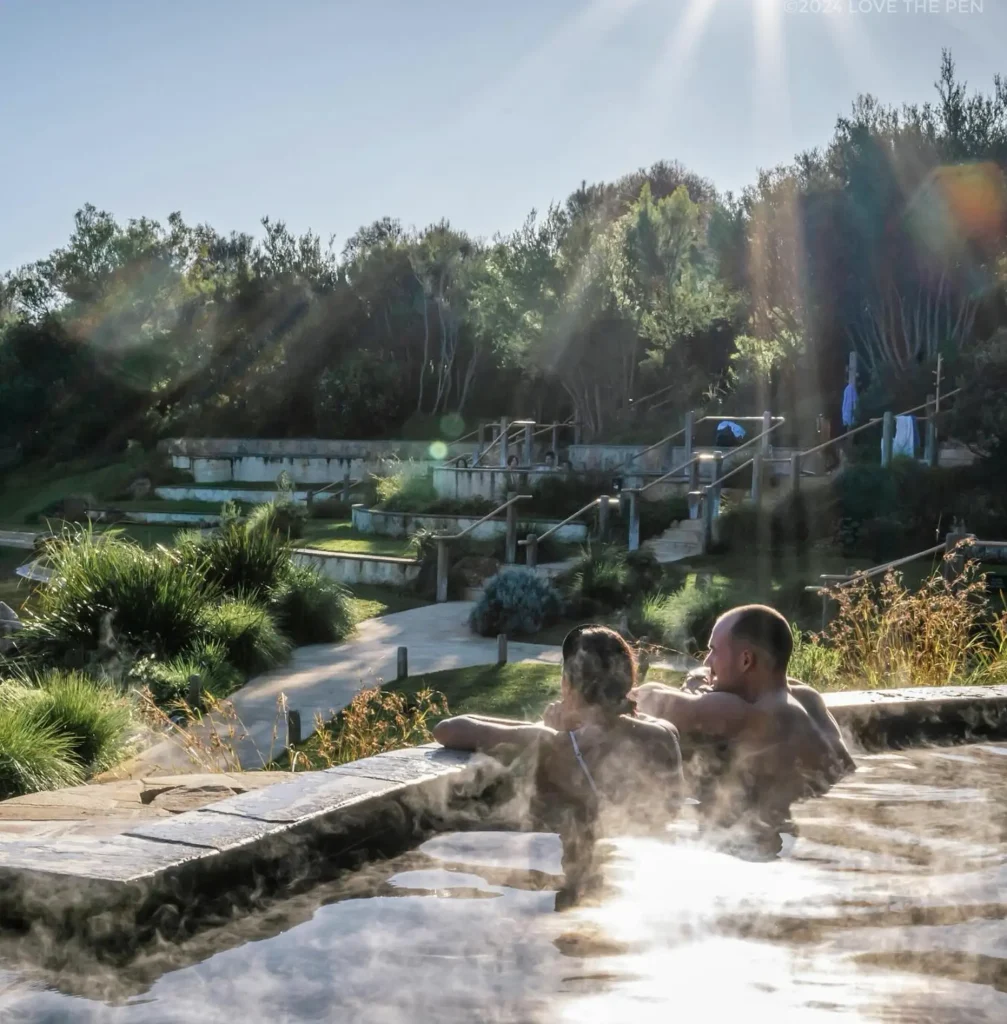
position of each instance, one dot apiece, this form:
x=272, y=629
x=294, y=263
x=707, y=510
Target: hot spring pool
x=889, y=906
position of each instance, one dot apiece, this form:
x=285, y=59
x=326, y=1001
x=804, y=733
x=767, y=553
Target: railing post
x=402, y=663
x=604, y=509
x=293, y=728
x=576, y=431
x=481, y=443
x=531, y=550
x=528, y=444
x=795, y=473
x=195, y=691
x=707, y=499
x=501, y=648
x=693, y=474
x=767, y=423
x=951, y=565
x=503, y=442
x=718, y=472
x=930, y=450
x=442, y=570
x=887, y=438
x=690, y=431
x=756, y=492
x=555, y=440
x=510, y=553
x=825, y=608
x=634, y=521
x=346, y=485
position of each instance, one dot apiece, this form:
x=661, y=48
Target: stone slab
x=110, y=859
x=407, y=766
x=307, y=795
x=207, y=829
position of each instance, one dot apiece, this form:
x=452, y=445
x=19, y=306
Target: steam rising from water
x=889, y=906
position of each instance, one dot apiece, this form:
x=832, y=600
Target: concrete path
x=323, y=678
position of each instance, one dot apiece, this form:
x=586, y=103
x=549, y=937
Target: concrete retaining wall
x=349, y=567
x=403, y=524
x=220, y=495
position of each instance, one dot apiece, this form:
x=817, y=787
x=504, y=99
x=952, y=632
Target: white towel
x=904, y=442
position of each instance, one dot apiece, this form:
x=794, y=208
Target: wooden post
x=930, y=449
x=634, y=521
x=528, y=444
x=690, y=442
x=577, y=432
x=442, y=570
x=502, y=649
x=952, y=564
x=503, y=442
x=481, y=443
x=718, y=472
x=531, y=550
x=887, y=438
x=707, y=499
x=825, y=608
x=195, y=691
x=767, y=423
x=293, y=728
x=510, y=554
x=346, y=484
x=693, y=474
x=795, y=472
x=555, y=440
x=851, y=370
x=756, y=492
x=604, y=510
x=402, y=663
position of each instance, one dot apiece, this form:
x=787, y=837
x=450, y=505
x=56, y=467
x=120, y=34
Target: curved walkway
x=323, y=678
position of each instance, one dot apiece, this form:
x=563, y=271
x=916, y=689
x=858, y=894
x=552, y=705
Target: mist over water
x=889, y=906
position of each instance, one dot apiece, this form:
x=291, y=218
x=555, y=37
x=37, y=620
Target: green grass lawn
x=339, y=535
x=371, y=600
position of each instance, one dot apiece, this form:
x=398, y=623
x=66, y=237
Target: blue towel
x=849, y=406
x=734, y=428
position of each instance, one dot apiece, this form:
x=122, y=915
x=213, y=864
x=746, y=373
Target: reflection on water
x=888, y=906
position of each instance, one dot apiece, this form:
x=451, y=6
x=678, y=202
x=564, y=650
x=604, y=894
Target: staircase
x=681, y=540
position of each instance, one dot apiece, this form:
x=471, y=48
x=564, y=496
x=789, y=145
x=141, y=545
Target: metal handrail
x=510, y=438
x=736, y=419
x=569, y=519
x=877, y=570
x=727, y=476
x=657, y=444
x=661, y=479
x=342, y=484
x=870, y=423
x=479, y=522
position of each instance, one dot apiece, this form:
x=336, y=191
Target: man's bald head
x=764, y=628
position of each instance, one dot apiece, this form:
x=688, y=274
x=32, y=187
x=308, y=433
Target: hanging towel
x=904, y=442
x=849, y=406
x=735, y=428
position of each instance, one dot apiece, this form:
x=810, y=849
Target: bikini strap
x=582, y=762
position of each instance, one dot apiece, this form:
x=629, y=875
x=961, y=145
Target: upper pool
x=888, y=906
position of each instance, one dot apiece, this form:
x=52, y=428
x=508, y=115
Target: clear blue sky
x=330, y=113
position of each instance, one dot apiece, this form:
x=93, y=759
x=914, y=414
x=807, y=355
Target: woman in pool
x=595, y=757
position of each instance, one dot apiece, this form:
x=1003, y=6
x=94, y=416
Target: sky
x=328, y=114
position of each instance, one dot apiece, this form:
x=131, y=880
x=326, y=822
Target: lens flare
x=438, y=450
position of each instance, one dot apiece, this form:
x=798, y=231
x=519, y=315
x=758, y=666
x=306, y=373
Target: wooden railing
x=510, y=556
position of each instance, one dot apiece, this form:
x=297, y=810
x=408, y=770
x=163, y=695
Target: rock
x=140, y=488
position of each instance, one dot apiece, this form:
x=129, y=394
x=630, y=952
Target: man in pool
x=777, y=741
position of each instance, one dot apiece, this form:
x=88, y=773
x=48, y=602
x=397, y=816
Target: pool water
x=888, y=906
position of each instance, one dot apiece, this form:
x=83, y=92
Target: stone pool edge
x=104, y=888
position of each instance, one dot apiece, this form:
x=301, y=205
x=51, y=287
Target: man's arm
x=721, y=715
x=470, y=732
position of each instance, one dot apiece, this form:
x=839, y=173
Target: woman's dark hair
x=600, y=666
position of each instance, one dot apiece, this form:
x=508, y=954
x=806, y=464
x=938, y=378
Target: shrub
x=33, y=756
x=92, y=717
x=236, y=557
x=682, y=620
x=813, y=662
x=247, y=633
x=646, y=573
x=311, y=609
x=330, y=508
x=598, y=581
x=105, y=590
x=515, y=602
x=168, y=681
x=405, y=491
x=559, y=495
x=283, y=519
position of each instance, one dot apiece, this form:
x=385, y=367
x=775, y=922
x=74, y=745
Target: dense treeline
x=889, y=240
